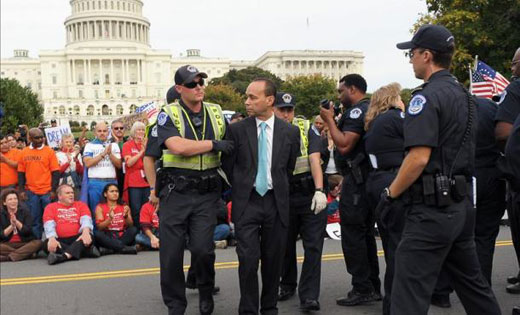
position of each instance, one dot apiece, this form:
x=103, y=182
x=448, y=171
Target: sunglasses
x=194, y=84
x=119, y=128
x=37, y=137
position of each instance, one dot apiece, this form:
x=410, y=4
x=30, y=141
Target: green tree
x=485, y=28
x=406, y=95
x=225, y=96
x=21, y=106
x=309, y=91
x=240, y=79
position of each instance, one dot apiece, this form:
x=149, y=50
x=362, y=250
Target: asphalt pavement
x=127, y=285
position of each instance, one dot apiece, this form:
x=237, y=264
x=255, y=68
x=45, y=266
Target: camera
x=325, y=103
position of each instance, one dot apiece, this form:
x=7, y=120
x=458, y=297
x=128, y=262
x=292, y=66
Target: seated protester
x=334, y=182
x=115, y=228
x=149, y=220
x=222, y=229
x=68, y=227
x=17, y=242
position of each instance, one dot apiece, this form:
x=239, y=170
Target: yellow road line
x=148, y=271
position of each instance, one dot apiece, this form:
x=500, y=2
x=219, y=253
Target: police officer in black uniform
x=439, y=137
x=508, y=111
x=357, y=218
x=307, y=201
x=188, y=185
x=384, y=145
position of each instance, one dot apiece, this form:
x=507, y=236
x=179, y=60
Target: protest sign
x=129, y=120
x=54, y=134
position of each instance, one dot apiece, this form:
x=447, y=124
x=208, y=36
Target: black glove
x=224, y=146
x=383, y=206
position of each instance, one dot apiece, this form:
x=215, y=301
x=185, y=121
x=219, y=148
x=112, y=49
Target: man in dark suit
x=259, y=168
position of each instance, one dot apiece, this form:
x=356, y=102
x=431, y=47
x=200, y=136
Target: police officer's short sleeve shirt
x=513, y=149
x=354, y=118
x=165, y=128
x=314, y=141
x=386, y=133
x=421, y=124
x=509, y=104
x=152, y=147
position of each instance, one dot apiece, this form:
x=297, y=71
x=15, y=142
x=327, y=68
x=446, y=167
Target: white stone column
x=101, y=78
x=111, y=71
x=85, y=77
x=138, y=70
x=73, y=71
x=102, y=29
x=69, y=68
x=89, y=61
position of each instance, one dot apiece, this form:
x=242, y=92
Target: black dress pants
x=311, y=227
x=186, y=213
x=111, y=240
x=69, y=245
x=513, y=213
x=260, y=236
x=357, y=237
x=435, y=238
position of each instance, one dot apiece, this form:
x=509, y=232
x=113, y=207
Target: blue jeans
x=37, y=204
x=221, y=232
x=144, y=240
x=95, y=193
x=137, y=196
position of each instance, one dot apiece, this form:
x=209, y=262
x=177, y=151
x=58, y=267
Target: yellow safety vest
x=302, y=162
x=199, y=162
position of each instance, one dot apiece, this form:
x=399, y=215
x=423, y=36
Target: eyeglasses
x=119, y=128
x=194, y=84
x=37, y=137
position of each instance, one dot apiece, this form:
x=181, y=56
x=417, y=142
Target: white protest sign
x=334, y=231
x=54, y=134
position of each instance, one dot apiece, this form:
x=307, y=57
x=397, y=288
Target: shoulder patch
x=502, y=97
x=416, y=105
x=355, y=113
x=402, y=115
x=161, y=119
x=154, y=131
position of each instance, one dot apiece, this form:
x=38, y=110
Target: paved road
x=130, y=285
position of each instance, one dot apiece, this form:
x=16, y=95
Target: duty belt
x=199, y=184
x=438, y=190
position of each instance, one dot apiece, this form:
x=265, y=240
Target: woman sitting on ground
x=115, y=229
x=17, y=241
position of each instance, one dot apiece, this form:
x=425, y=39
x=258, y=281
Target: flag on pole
x=486, y=82
x=150, y=109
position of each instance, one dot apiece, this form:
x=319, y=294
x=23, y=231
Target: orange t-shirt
x=38, y=164
x=8, y=174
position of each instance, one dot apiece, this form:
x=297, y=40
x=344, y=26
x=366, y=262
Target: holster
x=355, y=168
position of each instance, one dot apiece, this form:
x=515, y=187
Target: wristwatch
x=319, y=189
x=387, y=195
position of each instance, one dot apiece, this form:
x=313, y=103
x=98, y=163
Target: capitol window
x=76, y=110
x=132, y=108
x=54, y=94
x=119, y=109
x=105, y=110
x=90, y=110
x=54, y=79
x=62, y=110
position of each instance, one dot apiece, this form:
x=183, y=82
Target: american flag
x=150, y=109
x=486, y=82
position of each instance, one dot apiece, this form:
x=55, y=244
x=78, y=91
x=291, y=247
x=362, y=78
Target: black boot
x=206, y=304
x=129, y=250
x=55, y=258
x=105, y=251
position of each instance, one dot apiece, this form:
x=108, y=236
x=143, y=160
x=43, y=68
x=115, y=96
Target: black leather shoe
x=512, y=280
x=105, y=251
x=513, y=288
x=516, y=310
x=93, y=252
x=206, y=306
x=441, y=300
x=284, y=295
x=129, y=250
x=378, y=296
x=215, y=290
x=355, y=297
x=310, y=305
x=55, y=258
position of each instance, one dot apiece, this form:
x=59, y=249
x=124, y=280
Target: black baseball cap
x=284, y=100
x=187, y=73
x=172, y=95
x=430, y=36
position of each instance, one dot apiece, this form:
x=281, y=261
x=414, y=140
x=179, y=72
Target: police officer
x=307, y=200
x=189, y=133
x=508, y=111
x=357, y=218
x=439, y=137
x=384, y=145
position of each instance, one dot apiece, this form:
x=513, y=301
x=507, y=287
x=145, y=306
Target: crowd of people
x=263, y=180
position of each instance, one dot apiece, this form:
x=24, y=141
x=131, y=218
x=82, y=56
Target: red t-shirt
x=15, y=238
x=135, y=173
x=66, y=217
x=149, y=216
x=118, y=223
x=332, y=218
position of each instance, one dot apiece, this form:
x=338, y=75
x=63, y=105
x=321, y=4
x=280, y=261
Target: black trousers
x=390, y=229
x=260, y=236
x=311, y=227
x=435, y=238
x=513, y=213
x=181, y=214
x=112, y=241
x=357, y=237
x=69, y=245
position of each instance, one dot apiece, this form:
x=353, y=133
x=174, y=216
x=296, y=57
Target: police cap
x=284, y=100
x=430, y=36
x=172, y=95
x=187, y=73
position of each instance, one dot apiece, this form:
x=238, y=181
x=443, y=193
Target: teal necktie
x=261, y=173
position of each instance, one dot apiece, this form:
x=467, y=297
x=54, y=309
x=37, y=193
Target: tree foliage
x=225, y=96
x=240, y=79
x=309, y=91
x=487, y=28
x=21, y=106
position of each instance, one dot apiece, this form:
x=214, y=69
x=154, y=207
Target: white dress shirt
x=269, y=133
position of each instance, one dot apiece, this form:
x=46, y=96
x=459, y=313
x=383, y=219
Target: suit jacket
x=241, y=165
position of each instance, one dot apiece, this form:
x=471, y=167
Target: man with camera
x=357, y=219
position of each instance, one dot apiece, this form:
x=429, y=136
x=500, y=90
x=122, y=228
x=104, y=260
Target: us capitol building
x=108, y=68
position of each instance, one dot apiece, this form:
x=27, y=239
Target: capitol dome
x=115, y=23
